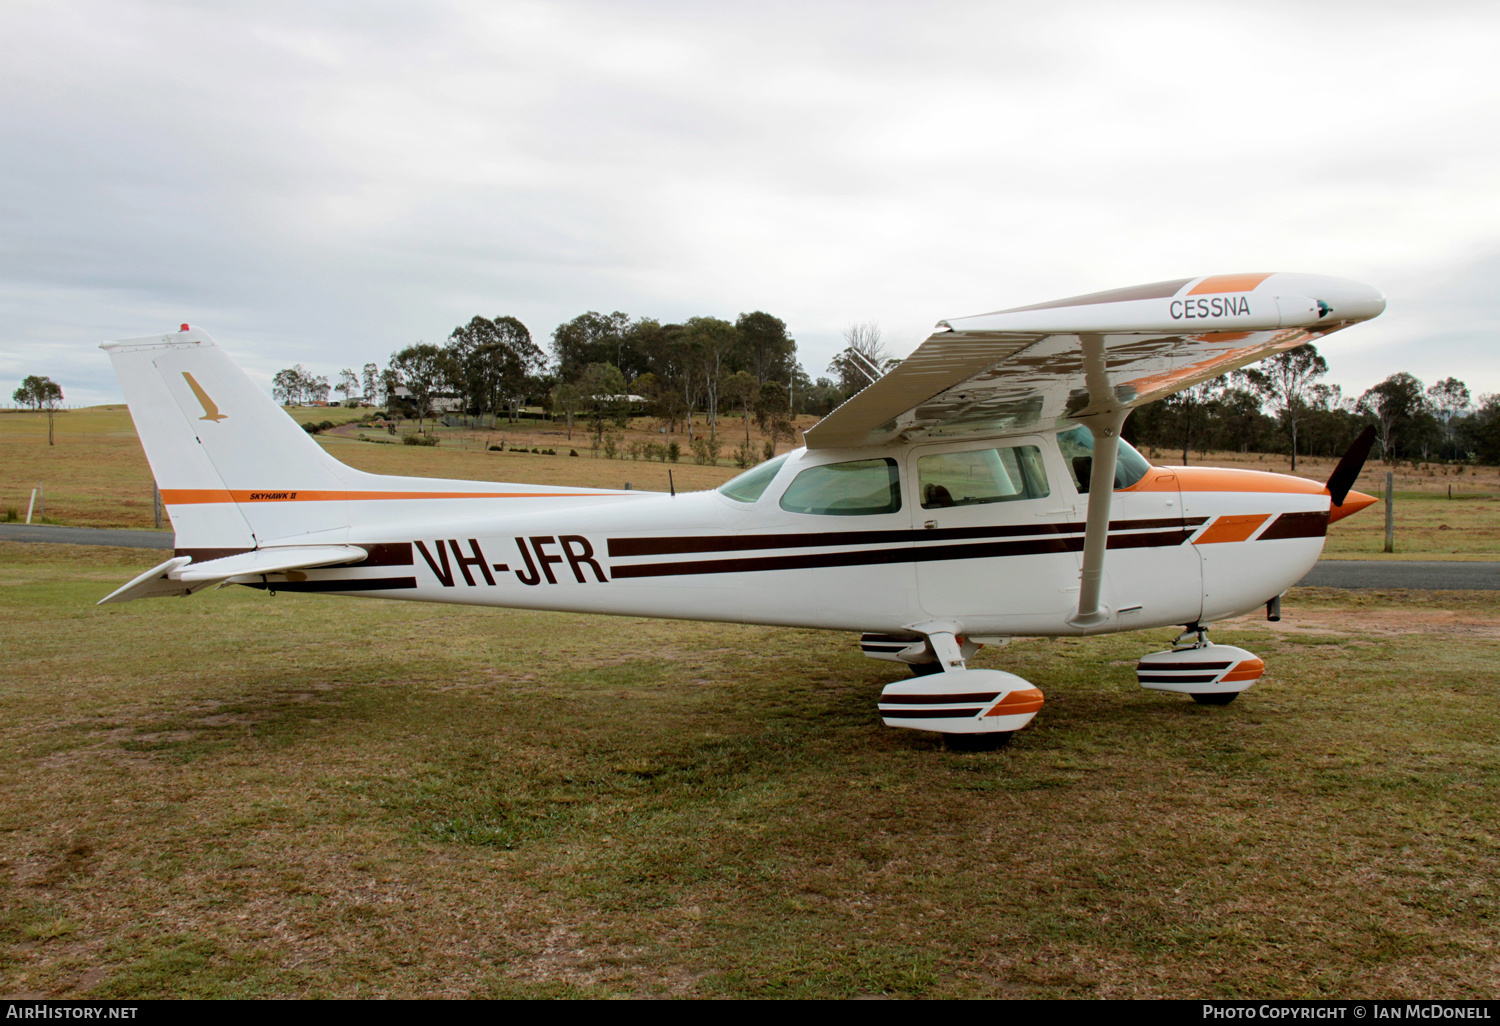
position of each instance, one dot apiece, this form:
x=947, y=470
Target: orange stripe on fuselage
x=193, y=496
x=1231, y=529
x=1228, y=283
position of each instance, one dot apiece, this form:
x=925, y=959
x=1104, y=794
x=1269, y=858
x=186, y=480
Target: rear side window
x=979, y=476
x=857, y=489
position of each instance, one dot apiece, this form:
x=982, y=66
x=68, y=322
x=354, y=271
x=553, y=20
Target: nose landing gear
x=1210, y=674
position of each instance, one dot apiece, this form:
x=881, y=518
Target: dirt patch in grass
x=1347, y=612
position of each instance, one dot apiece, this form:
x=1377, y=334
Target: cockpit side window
x=979, y=476
x=860, y=488
x=1077, y=445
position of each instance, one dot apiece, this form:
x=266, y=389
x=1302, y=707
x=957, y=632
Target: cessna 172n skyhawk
x=977, y=491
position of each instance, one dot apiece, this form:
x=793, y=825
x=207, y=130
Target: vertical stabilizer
x=216, y=442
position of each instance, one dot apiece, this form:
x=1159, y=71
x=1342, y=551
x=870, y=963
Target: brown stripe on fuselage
x=204, y=555
x=1297, y=525
x=385, y=554
x=905, y=554
x=620, y=548
x=378, y=554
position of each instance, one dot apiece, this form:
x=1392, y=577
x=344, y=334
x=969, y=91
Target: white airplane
x=978, y=491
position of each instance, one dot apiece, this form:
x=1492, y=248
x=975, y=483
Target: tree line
x=602, y=368
x=1282, y=405
x=599, y=368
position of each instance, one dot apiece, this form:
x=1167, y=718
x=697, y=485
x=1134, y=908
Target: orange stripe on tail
x=193, y=496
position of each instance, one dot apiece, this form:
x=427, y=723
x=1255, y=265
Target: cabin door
x=993, y=542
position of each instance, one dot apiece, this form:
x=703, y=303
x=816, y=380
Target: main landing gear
x=1210, y=674
x=974, y=710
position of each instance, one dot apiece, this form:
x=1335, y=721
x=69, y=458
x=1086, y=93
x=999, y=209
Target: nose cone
x=1353, y=503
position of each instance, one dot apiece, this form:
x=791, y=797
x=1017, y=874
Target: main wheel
x=1216, y=698
x=991, y=742
x=924, y=669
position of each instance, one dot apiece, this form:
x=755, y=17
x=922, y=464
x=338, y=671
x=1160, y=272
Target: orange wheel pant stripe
x=1026, y=700
x=1249, y=669
x=192, y=496
x=1231, y=529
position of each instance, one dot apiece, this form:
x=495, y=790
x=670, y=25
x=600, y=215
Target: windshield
x=750, y=485
x=1077, y=446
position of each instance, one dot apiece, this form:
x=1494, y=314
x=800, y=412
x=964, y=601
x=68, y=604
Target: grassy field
x=97, y=476
x=241, y=795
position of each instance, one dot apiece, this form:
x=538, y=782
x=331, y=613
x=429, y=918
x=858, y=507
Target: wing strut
x=1103, y=417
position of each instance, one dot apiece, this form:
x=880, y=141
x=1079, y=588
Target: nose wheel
x=1209, y=674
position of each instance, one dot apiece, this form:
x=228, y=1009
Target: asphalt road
x=1429, y=575
x=86, y=536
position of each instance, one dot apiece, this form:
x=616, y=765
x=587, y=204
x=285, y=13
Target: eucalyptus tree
x=1284, y=383
x=712, y=341
x=596, y=338
x=1448, y=399
x=1398, y=405
x=40, y=393
x=348, y=383
x=424, y=369
x=493, y=363
x=765, y=349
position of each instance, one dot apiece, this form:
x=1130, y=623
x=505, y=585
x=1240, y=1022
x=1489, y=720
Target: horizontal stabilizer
x=154, y=583
x=181, y=576
x=270, y=561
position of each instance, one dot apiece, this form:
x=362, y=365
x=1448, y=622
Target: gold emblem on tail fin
x=210, y=411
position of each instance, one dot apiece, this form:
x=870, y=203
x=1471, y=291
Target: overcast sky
x=325, y=183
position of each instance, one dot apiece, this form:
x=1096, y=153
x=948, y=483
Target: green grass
x=239, y=795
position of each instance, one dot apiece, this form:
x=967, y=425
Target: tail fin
x=213, y=437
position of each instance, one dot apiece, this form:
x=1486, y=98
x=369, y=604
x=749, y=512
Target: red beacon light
x=183, y=328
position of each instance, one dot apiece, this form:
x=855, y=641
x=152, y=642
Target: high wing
x=1035, y=367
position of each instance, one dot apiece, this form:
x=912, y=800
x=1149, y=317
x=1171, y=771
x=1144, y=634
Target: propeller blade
x=1347, y=471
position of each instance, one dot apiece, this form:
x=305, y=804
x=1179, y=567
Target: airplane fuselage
x=1187, y=545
